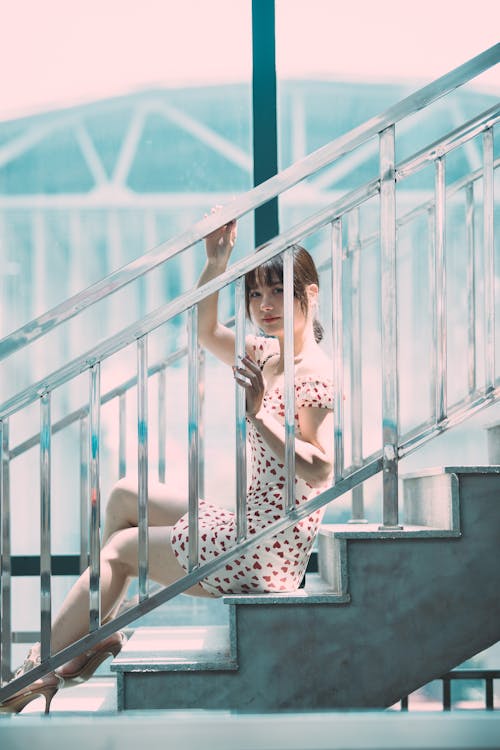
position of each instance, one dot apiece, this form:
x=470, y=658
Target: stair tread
x=462, y=469
x=177, y=648
x=373, y=531
x=316, y=591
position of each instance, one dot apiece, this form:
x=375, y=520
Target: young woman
x=280, y=562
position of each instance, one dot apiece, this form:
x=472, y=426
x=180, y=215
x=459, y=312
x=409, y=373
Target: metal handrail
x=249, y=201
x=347, y=478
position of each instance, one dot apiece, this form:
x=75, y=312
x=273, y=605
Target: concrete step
x=152, y=667
x=178, y=648
x=332, y=549
x=153, y=652
x=97, y=695
x=316, y=591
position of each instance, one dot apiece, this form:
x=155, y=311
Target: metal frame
x=347, y=478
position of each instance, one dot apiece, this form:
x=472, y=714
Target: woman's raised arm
x=214, y=336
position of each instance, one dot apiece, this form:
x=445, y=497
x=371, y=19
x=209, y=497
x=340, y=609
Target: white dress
x=279, y=563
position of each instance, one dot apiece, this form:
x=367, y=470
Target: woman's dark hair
x=304, y=273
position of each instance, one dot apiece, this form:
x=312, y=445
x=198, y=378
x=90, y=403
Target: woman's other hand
x=249, y=376
x=219, y=244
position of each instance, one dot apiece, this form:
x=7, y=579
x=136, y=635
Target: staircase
x=389, y=611
x=395, y=604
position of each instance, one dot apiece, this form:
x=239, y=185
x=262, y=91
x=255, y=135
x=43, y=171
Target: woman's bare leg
x=164, y=507
x=118, y=565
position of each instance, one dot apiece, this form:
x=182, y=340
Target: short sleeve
x=314, y=392
x=260, y=348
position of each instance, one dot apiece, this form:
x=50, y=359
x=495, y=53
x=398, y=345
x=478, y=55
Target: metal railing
x=394, y=445
x=485, y=676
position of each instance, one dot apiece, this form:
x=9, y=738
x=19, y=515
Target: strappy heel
x=20, y=700
x=37, y=689
x=94, y=658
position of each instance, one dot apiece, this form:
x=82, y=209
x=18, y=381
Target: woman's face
x=267, y=309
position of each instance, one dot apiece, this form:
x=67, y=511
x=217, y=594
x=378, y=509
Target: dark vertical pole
x=265, y=129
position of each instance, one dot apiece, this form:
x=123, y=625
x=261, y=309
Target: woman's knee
x=122, y=499
x=121, y=551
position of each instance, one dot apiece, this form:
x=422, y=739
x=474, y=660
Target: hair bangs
x=269, y=273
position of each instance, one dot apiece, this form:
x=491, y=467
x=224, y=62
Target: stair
x=389, y=611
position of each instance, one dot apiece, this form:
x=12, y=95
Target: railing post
x=446, y=693
x=440, y=335
x=354, y=254
x=45, y=546
x=6, y=569
x=471, y=286
x=193, y=435
x=142, y=465
x=431, y=281
x=489, y=695
x=390, y=397
x=489, y=259
x=240, y=411
x=84, y=493
x=289, y=388
x=95, y=496
x=338, y=347
x=122, y=435
x=201, y=421
x=162, y=424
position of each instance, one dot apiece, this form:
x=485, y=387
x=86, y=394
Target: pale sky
x=59, y=52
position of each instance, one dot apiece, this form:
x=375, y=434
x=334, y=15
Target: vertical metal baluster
x=45, y=546
x=162, y=423
x=240, y=411
x=446, y=694
x=122, y=435
x=193, y=435
x=489, y=696
x=201, y=422
x=354, y=246
x=142, y=464
x=431, y=230
x=471, y=287
x=289, y=389
x=95, y=496
x=6, y=567
x=338, y=348
x=440, y=341
x=84, y=493
x=390, y=398
x=489, y=259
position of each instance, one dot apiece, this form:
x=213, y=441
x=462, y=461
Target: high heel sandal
x=94, y=658
x=20, y=700
x=37, y=689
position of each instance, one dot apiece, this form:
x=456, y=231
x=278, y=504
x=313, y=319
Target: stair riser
x=332, y=562
x=431, y=501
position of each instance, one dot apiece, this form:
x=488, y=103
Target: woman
x=279, y=563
